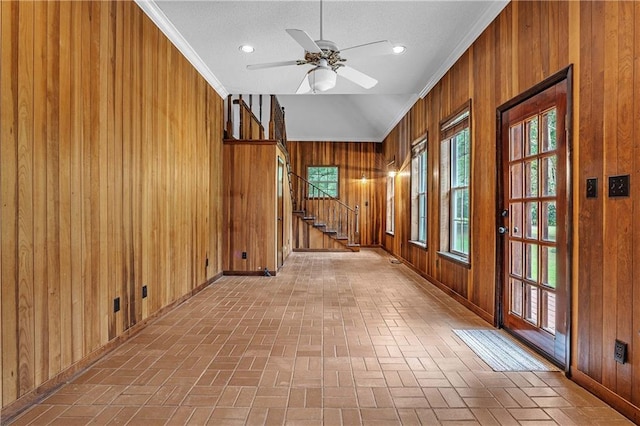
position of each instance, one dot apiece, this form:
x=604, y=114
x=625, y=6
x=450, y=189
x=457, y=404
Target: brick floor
x=334, y=339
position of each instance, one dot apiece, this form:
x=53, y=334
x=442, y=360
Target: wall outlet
x=116, y=304
x=244, y=254
x=620, y=352
x=144, y=291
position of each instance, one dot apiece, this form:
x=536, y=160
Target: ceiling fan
x=328, y=62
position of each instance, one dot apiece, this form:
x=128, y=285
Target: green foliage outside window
x=460, y=208
x=324, y=181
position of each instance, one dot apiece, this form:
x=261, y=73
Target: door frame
x=564, y=74
x=280, y=165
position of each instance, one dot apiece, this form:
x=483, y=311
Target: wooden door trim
x=562, y=75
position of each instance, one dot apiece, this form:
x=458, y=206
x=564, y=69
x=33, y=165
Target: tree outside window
x=460, y=210
x=419, y=192
x=391, y=217
x=455, y=178
x=324, y=181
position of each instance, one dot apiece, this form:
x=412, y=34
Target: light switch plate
x=619, y=186
x=592, y=187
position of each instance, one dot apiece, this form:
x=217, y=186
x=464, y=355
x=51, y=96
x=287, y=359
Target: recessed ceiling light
x=398, y=49
x=246, y=48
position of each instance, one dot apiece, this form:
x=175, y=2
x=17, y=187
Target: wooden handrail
x=246, y=109
x=326, y=211
x=326, y=194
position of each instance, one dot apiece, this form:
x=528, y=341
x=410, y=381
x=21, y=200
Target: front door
x=534, y=221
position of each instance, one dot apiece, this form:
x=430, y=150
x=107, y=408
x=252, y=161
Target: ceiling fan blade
x=304, y=85
x=377, y=48
x=304, y=40
x=357, y=77
x=271, y=65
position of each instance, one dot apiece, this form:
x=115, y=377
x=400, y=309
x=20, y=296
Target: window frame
x=391, y=207
x=315, y=183
x=451, y=128
x=419, y=191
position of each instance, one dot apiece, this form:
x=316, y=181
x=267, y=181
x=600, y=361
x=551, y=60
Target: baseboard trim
x=321, y=250
x=623, y=406
x=248, y=273
x=447, y=290
x=17, y=407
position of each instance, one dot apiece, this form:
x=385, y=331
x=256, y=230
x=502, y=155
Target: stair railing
x=325, y=210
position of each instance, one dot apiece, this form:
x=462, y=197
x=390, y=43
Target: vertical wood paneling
x=26, y=361
x=110, y=142
x=40, y=302
x=635, y=193
x=90, y=290
x=78, y=254
x=1, y=211
x=8, y=185
x=623, y=114
x=526, y=43
x=606, y=107
x=250, y=201
x=483, y=178
x=52, y=189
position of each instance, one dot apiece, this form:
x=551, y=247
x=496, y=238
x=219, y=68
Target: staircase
x=324, y=213
x=337, y=222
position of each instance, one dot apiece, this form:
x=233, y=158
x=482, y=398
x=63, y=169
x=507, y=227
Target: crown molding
x=151, y=9
x=474, y=32
x=401, y=114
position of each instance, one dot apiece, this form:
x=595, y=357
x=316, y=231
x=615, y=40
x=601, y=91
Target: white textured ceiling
x=435, y=33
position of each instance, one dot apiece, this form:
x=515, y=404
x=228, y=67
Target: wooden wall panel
x=353, y=160
x=250, y=201
x=111, y=178
x=528, y=42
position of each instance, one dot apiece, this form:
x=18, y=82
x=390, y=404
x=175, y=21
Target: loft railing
x=249, y=126
x=277, y=128
x=325, y=211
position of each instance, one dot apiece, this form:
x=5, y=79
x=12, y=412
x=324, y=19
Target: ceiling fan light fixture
x=246, y=48
x=322, y=78
x=399, y=49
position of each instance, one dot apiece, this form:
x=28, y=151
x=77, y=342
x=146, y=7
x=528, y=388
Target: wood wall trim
x=248, y=273
x=616, y=401
x=250, y=142
x=152, y=10
x=448, y=291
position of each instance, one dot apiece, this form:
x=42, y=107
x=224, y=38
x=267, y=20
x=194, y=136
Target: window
x=391, y=196
x=419, y=192
x=455, y=172
x=324, y=181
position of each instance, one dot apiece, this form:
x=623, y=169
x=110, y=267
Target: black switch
x=116, y=304
x=619, y=186
x=592, y=188
x=144, y=291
